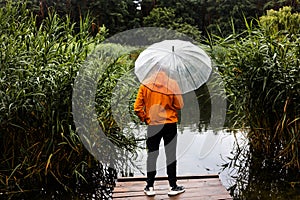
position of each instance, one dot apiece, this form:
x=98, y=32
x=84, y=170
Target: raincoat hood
x=162, y=83
x=156, y=103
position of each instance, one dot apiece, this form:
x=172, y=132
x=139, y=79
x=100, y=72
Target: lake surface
x=224, y=153
x=198, y=153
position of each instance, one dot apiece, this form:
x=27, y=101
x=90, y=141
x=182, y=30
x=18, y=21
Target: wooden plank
x=178, y=197
x=135, y=186
x=207, y=190
x=142, y=178
x=199, y=188
x=186, y=195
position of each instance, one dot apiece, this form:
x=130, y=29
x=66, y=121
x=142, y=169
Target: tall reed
x=261, y=71
x=39, y=145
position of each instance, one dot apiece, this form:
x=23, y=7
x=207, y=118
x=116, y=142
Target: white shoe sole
x=173, y=193
x=150, y=193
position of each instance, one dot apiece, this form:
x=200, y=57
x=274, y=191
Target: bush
x=261, y=72
x=39, y=145
x=165, y=17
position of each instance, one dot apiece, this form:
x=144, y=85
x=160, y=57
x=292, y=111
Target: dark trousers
x=154, y=135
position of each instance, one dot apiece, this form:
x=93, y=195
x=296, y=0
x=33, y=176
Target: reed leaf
x=260, y=69
x=38, y=65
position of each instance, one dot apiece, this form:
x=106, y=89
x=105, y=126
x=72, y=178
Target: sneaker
x=149, y=191
x=176, y=190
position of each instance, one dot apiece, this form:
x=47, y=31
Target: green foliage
x=38, y=64
x=283, y=21
x=111, y=62
x=42, y=51
x=188, y=10
x=261, y=74
x=115, y=15
x=166, y=18
x=216, y=16
x=212, y=15
x=102, y=96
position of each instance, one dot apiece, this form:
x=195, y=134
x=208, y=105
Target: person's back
x=156, y=103
x=157, y=106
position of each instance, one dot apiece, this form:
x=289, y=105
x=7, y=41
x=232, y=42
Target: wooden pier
x=207, y=187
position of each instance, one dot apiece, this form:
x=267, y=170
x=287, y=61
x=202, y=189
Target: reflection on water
x=201, y=151
x=256, y=178
x=204, y=151
x=198, y=153
x=227, y=154
x=97, y=185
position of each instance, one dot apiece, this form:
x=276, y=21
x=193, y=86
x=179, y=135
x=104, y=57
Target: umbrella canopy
x=173, y=67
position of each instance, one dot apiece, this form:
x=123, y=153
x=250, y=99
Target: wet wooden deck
x=208, y=187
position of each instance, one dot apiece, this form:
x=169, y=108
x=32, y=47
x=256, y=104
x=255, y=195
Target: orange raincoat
x=157, y=104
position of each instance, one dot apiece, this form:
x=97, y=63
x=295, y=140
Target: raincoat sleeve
x=178, y=102
x=139, y=105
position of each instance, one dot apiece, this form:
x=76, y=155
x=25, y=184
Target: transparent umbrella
x=176, y=65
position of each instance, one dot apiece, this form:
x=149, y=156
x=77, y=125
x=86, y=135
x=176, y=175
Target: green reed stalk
x=38, y=66
x=261, y=74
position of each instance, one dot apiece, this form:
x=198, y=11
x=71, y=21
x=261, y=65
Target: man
x=156, y=104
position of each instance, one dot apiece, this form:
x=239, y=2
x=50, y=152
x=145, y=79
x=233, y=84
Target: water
x=226, y=154
x=201, y=153
x=198, y=153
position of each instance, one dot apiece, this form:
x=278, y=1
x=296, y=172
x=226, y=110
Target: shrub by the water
x=40, y=148
x=260, y=68
x=261, y=71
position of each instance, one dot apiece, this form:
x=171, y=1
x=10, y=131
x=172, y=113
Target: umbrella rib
x=146, y=75
x=196, y=65
x=191, y=76
x=190, y=72
x=156, y=75
x=192, y=56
